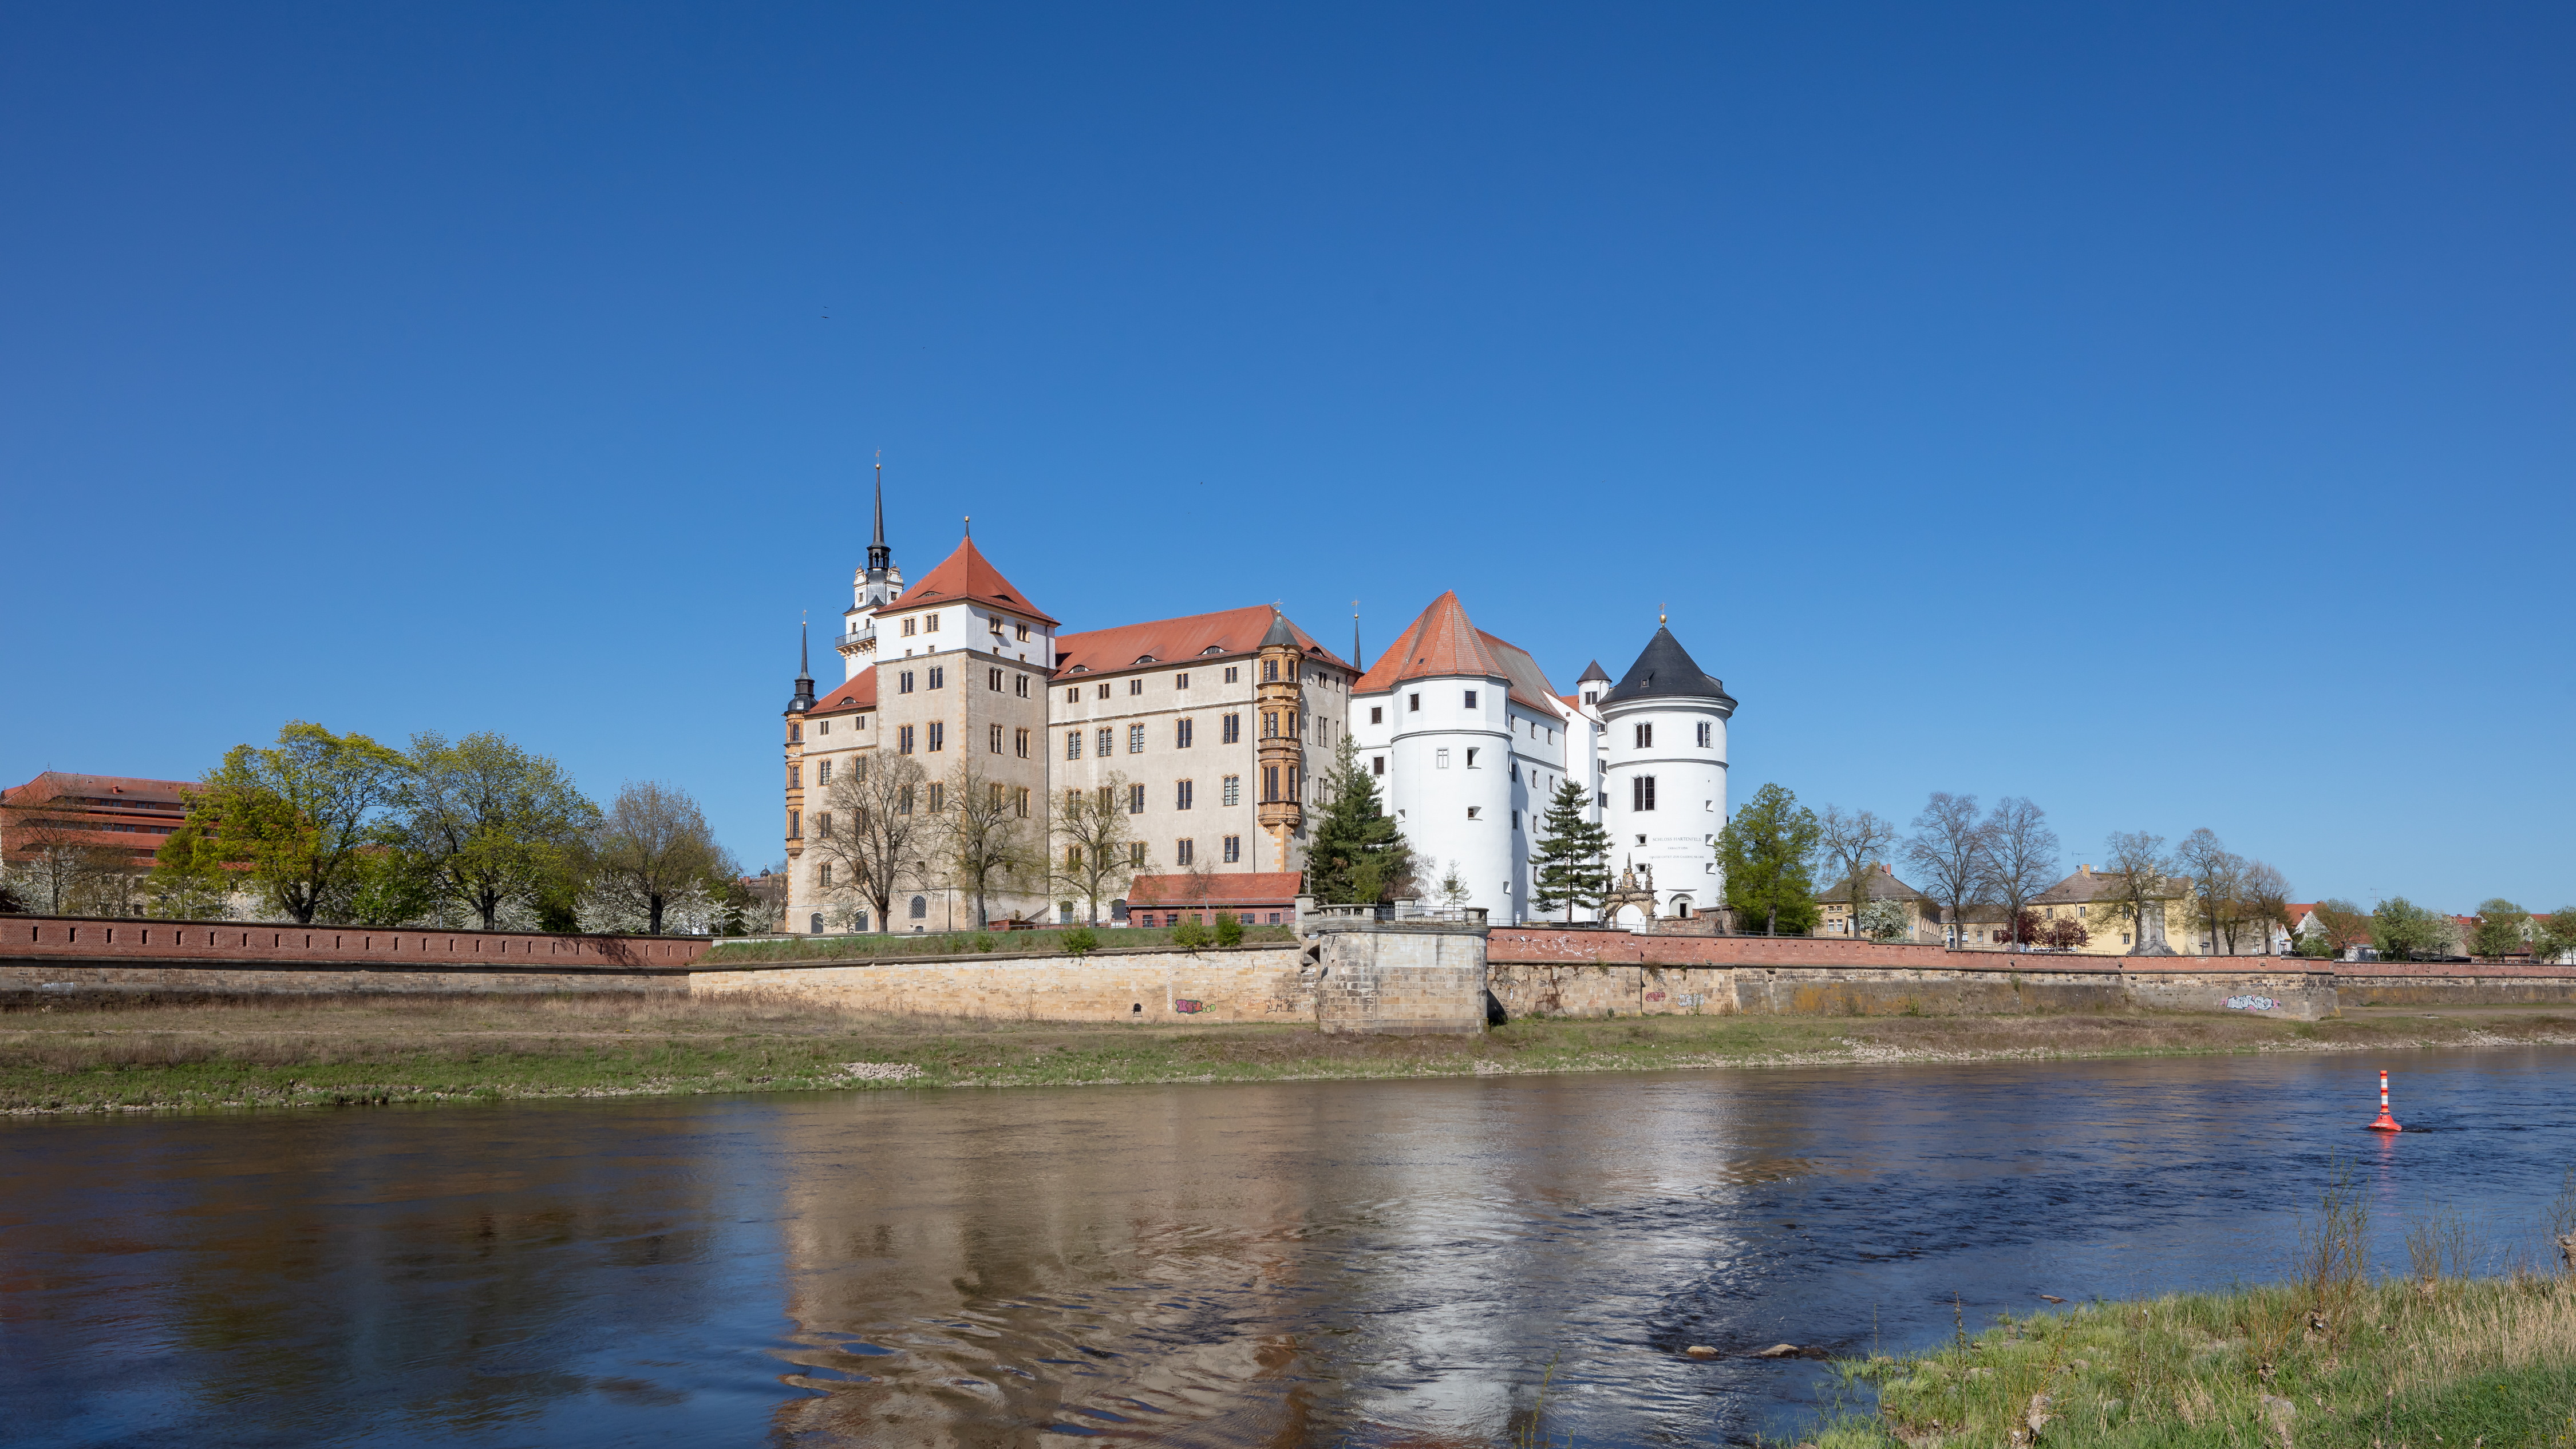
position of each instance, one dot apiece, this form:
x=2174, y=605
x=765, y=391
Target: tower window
x=1377, y=714
x=939, y=676
x=903, y=682
x=795, y=732
x=1181, y=795
x=1270, y=724
x=1020, y=743
x=1705, y=731
x=1073, y=744
x=1269, y=671
x=1021, y=802
x=796, y=777
x=1645, y=737
x=1471, y=699
x=1135, y=799
x=1233, y=849
x=1233, y=792
x=1181, y=732
x=1471, y=759
x=1475, y=812
x=1020, y=685
x=1641, y=793
x=795, y=824
x=1377, y=764
x=1440, y=759
x=903, y=739
x=1230, y=729
x=993, y=680
x=1412, y=703
x=996, y=736
x=938, y=737
x=1592, y=696
x=1184, y=851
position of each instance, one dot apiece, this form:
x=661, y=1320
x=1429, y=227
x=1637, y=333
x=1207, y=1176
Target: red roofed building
x=117, y=815
x=1259, y=898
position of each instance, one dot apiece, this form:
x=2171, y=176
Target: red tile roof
x=1227, y=632
x=859, y=693
x=967, y=575
x=1442, y=642
x=1242, y=888
x=117, y=789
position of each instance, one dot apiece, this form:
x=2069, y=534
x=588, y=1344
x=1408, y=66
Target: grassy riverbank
x=350, y=1052
x=2396, y=1365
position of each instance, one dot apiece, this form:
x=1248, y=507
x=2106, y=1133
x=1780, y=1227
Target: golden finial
x=1659, y=615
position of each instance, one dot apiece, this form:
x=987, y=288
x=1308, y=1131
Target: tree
x=2140, y=872
x=189, y=881
x=2503, y=929
x=2266, y=893
x=1453, y=888
x=866, y=840
x=2404, y=931
x=2554, y=935
x=53, y=867
x=2021, y=860
x=1852, y=845
x=386, y=886
x=1093, y=858
x=984, y=835
x=654, y=846
x=1768, y=852
x=2342, y=925
x=297, y=814
x=1572, y=860
x=2214, y=878
x=1884, y=921
x=1948, y=850
x=2065, y=933
x=1355, y=855
x=495, y=823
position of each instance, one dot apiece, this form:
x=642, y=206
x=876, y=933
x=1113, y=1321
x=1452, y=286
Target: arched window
x=920, y=907
x=816, y=927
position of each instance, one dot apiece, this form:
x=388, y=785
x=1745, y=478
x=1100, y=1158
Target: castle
x=1214, y=733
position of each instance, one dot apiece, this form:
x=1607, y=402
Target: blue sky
x=2160, y=412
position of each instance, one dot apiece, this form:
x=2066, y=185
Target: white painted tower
x=1663, y=751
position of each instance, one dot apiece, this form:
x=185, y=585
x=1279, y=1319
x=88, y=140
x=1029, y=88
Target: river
x=1362, y=1263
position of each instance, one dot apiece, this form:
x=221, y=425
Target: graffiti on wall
x=2252, y=1003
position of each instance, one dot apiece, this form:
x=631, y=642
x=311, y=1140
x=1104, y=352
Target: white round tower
x=1663, y=748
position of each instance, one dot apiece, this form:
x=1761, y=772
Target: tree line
x=324, y=828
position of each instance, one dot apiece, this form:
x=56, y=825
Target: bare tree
x=2142, y=873
x=1094, y=856
x=2021, y=858
x=985, y=835
x=2266, y=893
x=1854, y=843
x=654, y=844
x=1948, y=850
x=877, y=825
x=50, y=859
x=2216, y=875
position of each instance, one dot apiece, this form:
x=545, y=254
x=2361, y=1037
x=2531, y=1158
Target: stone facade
x=1159, y=985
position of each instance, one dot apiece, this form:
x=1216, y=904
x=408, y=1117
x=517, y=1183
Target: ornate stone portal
x=1630, y=893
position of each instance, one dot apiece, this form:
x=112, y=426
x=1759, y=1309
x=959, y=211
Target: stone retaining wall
x=51, y=959
x=1162, y=985
x=1563, y=990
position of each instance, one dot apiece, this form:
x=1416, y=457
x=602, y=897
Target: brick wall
x=52, y=958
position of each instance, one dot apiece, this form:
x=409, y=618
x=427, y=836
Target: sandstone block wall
x=1557, y=990
x=51, y=959
x=1424, y=980
x=1251, y=983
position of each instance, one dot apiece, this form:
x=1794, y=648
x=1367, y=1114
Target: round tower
x=1663, y=750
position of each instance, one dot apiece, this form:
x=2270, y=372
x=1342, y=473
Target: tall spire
x=880, y=557
x=1356, y=662
x=804, y=699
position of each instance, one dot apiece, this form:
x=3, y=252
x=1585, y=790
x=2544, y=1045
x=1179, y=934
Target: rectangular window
x=1135, y=799
x=1023, y=633
x=1475, y=812
x=1020, y=685
x=1377, y=764
x=795, y=825
x=939, y=677
x=995, y=734
x=1073, y=744
x=996, y=800
x=993, y=680
x=1471, y=699
x=1073, y=857
x=1136, y=739
x=938, y=797
x=1471, y=758
x=1270, y=782
x=1103, y=742
x=1020, y=743
x=1270, y=724
x=903, y=682
x=1020, y=802
x=1230, y=675
x=795, y=731
x=1136, y=685
x=1073, y=695
x=823, y=772
x=1136, y=854
x=1181, y=794
x=1233, y=849
x=1412, y=703
x=1184, y=851
x=1073, y=802
x=903, y=739
x=907, y=628
x=1234, y=789
x=1181, y=732
x=1102, y=795
x=1645, y=737
x=796, y=777
x=823, y=727
x=1377, y=714
x=903, y=800
x=1269, y=671
x=1440, y=759
x=938, y=737
x=930, y=623
x=1180, y=681
x=1102, y=689
x=1230, y=729
x=1705, y=729
x=1641, y=793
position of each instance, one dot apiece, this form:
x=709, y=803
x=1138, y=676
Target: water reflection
x=1291, y=1264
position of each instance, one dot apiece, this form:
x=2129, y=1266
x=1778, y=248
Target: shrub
x=1229, y=929
x=1191, y=932
x=982, y=942
x=1081, y=941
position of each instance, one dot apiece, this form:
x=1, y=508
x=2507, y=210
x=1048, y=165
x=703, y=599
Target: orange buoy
x=2385, y=1123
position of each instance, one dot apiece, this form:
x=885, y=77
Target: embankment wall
x=47, y=959
x=1164, y=985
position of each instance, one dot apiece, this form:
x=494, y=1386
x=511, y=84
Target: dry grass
x=280, y=1051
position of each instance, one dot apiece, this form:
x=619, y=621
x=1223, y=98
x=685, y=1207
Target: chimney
x=2083, y=870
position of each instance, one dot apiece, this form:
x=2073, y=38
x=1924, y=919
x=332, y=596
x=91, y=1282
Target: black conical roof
x=1594, y=671
x=1279, y=633
x=1665, y=671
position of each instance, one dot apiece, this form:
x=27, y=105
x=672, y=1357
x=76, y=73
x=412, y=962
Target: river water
x=1362, y=1263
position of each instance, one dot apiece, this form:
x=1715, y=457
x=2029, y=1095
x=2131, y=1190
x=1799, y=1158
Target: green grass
x=2393, y=1365
x=952, y=943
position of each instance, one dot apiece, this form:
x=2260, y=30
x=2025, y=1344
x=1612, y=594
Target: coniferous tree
x=1356, y=855
x=1572, y=859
